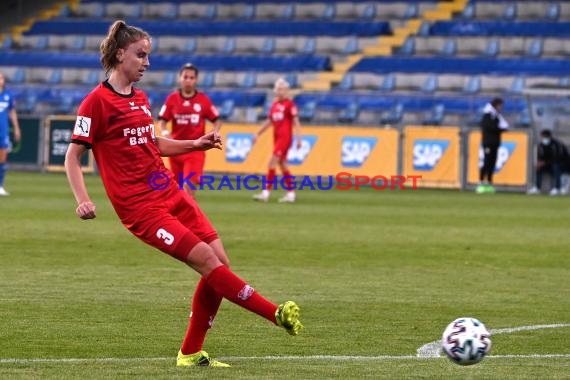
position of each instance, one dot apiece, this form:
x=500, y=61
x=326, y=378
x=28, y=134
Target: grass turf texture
x=375, y=273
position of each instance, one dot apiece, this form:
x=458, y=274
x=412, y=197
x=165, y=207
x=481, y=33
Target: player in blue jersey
x=7, y=113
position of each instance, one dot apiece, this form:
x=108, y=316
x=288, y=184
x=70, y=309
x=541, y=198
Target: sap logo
x=427, y=153
x=355, y=150
x=503, y=154
x=298, y=156
x=238, y=146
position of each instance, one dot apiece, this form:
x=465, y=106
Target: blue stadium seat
x=388, y=84
x=229, y=45
x=435, y=116
x=368, y=13
x=510, y=12
x=351, y=46
x=469, y=11
x=18, y=77
x=27, y=104
x=412, y=11
x=347, y=82
x=207, y=80
x=292, y=79
x=6, y=43
x=90, y=79
x=517, y=86
x=168, y=79
x=394, y=115
x=308, y=110
x=329, y=12
x=264, y=113
x=523, y=119
x=553, y=12
x=473, y=85
x=449, y=48
x=430, y=84
x=349, y=114
x=408, y=47
x=492, y=49
x=55, y=77
x=534, y=48
x=268, y=46
x=190, y=45
x=288, y=12
x=78, y=43
x=227, y=109
x=249, y=80
x=310, y=46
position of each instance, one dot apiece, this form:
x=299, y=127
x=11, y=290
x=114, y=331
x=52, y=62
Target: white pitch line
x=270, y=358
x=432, y=349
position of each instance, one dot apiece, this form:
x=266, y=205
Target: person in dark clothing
x=492, y=126
x=551, y=157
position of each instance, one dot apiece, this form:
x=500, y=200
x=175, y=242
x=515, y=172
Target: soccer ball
x=466, y=341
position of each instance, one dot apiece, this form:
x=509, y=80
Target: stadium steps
x=56, y=10
x=386, y=44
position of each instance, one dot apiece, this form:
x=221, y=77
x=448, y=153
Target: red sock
x=239, y=292
x=205, y=305
x=270, y=178
x=288, y=181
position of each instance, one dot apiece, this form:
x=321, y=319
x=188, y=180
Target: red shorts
x=281, y=147
x=188, y=163
x=174, y=226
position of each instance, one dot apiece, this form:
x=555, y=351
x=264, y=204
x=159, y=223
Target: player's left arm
x=14, y=119
x=169, y=147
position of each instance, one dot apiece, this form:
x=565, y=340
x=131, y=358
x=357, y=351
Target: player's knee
x=203, y=258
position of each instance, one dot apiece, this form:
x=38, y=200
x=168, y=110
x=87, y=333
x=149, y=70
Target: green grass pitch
x=377, y=274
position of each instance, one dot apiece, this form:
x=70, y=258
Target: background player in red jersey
x=188, y=109
x=283, y=116
x=115, y=122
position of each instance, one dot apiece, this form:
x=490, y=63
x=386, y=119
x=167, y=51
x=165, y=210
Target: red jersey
x=188, y=115
x=281, y=114
x=120, y=130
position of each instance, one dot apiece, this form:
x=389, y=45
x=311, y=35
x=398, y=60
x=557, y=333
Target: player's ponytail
x=120, y=35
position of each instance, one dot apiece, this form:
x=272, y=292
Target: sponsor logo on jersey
x=296, y=156
x=505, y=152
x=427, y=153
x=82, y=126
x=355, y=150
x=238, y=146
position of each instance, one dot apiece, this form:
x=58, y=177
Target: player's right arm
x=85, y=208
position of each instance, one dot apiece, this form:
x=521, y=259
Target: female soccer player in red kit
x=188, y=110
x=283, y=116
x=115, y=122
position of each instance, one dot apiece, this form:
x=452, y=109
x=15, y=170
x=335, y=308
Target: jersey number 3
x=164, y=235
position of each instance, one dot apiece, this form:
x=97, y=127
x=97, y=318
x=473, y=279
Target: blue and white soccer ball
x=466, y=341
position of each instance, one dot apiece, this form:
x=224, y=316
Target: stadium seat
x=517, y=85
x=394, y=115
x=449, y=48
x=388, y=84
x=430, y=84
x=161, y=10
x=227, y=109
x=292, y=79
x=473, y=85
x=307, y=111
x=407, y=48
x=268, y=46
x=368, y=13
x=249, y=80
x=492, y=49
x=206, y=80
x=349, y=114
x=534, y=49
x=310, y=46
x=435, y=116
x=347, y=82
x=264, y=113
